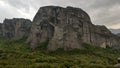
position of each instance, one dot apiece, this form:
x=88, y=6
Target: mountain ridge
x=115, y=31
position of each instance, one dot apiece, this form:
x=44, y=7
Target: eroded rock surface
x=16, y=28
x=67, y=28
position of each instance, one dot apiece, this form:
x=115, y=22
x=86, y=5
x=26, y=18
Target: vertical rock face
x=61, y=26
x=101, y=36
x=67, y=28
x=1, y=29
x=16, y=28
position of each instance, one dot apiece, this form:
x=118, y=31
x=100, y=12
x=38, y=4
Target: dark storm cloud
x=103, y=12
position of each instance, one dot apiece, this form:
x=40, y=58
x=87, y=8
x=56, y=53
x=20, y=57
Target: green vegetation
x=43, y=45
x=16, y=54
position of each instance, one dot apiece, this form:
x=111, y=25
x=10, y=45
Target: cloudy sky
x=102, y=12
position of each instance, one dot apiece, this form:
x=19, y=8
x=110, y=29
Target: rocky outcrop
x=1, y=31
x=67, y=28
x=16, y=28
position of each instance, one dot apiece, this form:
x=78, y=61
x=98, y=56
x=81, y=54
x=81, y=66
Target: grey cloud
x=20, y=4
x=99, y=10
x=5, y=14
x=107, y=17
x=104, y=3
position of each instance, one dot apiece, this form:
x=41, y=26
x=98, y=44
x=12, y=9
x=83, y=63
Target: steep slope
x=1, y=31
x=67, y=28
x=16, y=28
x=61, y=26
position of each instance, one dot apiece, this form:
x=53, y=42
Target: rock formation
x=67, y=28
x=1, y=31
x=16, y=28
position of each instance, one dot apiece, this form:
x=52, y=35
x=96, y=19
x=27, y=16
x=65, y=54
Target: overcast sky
x=102, y=12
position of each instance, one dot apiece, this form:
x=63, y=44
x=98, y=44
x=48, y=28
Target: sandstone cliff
x=67, y=28
x=16, y=28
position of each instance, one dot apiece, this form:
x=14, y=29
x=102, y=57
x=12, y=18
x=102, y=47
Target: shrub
x=42, y=65
x=43, y=45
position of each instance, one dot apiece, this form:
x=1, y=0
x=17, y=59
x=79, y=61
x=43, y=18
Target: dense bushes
x=43, y=45
x=16, y=54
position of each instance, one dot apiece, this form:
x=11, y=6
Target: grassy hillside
x=16, y=54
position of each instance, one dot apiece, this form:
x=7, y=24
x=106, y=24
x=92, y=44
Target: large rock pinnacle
x=67, y=28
